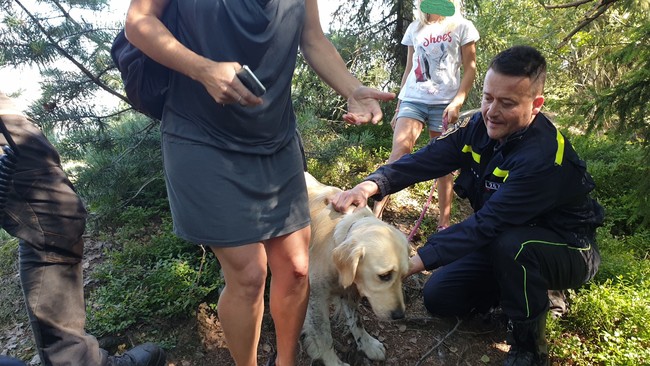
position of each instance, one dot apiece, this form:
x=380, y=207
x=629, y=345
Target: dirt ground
x=418, y=339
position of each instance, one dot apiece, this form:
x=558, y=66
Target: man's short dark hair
x=521, y=61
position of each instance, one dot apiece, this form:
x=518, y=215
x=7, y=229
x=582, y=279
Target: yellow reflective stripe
x=501, y=173
x=559, y=154
x=475, y=156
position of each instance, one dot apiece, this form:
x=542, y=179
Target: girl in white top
x=432, y=90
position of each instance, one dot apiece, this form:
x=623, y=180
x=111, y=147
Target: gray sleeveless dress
x=235, y=174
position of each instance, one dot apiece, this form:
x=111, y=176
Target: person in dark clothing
x=39, y=206
x=534, y=223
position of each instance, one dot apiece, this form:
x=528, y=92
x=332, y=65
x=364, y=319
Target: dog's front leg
x=373, y=348
x=317, y=331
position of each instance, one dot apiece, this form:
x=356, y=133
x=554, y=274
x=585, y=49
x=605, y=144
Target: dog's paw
x=373, y=349
x=331, y=359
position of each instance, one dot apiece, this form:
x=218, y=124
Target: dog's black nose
x=397, y=314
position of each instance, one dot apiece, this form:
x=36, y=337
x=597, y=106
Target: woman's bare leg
x=288, y=258
x=241, y=303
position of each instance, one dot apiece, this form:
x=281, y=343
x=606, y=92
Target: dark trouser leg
x=529, y=261
x=44, y=211
x=463, y=286
x=55, y=303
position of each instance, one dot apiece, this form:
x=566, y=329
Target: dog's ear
x=346, y=257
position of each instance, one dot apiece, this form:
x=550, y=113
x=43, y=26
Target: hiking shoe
x=147, y=354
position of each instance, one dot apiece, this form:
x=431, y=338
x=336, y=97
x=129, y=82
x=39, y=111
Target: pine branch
x=70, y=19
x=574, y=4
x=68, y=56
x=598, y=11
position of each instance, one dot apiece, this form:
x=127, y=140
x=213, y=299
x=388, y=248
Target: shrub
x=607, y=325
x=122, y=169
x=618, y=168
x=154, y=277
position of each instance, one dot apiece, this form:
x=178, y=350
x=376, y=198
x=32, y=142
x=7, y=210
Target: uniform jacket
x=533, y=178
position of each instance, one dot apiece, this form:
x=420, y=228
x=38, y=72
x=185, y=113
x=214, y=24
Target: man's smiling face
x=510, y=103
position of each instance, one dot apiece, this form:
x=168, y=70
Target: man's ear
x=538, y=102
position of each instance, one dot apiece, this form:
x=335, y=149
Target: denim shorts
x=429, y=114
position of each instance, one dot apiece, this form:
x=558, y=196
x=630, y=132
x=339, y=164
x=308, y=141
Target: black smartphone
x=250, y=81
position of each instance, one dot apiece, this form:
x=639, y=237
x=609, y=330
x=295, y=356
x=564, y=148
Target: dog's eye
x=386, y=276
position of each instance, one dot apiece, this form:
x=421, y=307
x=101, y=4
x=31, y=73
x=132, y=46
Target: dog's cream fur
x=352, y=256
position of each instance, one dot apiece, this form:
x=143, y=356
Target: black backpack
x=145, y=81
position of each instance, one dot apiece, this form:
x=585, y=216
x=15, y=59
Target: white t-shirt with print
x=435, y=74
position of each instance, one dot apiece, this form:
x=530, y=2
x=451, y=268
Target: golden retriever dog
x=351, y=256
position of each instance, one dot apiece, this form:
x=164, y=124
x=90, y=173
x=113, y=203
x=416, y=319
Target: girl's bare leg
x=445, y=195
x=406, y=133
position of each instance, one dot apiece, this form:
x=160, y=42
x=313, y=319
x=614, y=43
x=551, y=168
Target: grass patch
x=152, y=277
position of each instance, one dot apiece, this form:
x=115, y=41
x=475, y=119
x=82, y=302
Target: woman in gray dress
x=233, y=162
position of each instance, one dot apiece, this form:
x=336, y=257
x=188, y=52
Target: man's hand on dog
x=355, y=198
x=363, y=105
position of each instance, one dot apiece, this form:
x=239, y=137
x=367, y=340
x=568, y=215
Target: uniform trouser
x=515, y=271
x=48, y=217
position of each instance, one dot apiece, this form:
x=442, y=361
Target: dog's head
x=374, y=256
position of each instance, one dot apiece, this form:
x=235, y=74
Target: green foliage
x=122, y=168
x=341, y=155
x=154, y=276
x=373, y=31
x=11, y=298
x=624, y=98
x=364, y=59
x=607, y=325
x=8, y=253
x=627, y=256
x=618, y=168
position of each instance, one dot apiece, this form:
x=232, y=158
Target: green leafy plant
x=153, y=277
x=607, y=325
x=122, y=168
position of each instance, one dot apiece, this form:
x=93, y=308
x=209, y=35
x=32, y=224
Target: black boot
x=527, y=341
x=147, y=354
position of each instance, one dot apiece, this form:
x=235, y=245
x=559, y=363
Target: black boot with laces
x=147, y=354
x=527, y=341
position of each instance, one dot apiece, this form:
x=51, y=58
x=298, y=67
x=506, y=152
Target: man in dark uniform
x=534, y=223
x=39, y=205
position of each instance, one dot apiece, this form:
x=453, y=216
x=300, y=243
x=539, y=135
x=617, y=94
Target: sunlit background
x=25, y=81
